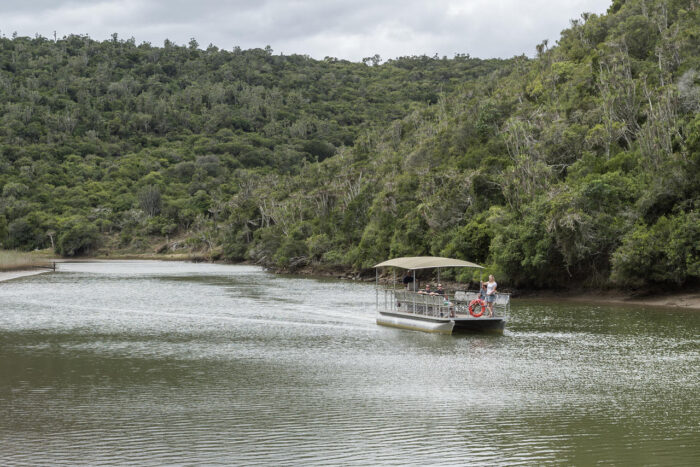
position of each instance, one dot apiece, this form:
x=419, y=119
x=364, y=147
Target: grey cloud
x=352, y=30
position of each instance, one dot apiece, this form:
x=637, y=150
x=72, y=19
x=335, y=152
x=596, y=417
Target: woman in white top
x=491, y=294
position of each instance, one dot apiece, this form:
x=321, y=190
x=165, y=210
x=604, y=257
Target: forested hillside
x=110, y=144
x=580, y=166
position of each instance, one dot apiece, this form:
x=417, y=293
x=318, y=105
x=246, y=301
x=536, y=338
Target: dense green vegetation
x=581, y=166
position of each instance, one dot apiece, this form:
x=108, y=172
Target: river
x=181, y=363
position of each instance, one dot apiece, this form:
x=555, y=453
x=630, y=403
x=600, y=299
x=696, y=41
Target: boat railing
x=407, y=301
x=501, y=306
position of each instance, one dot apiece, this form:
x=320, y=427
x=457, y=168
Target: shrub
x=668, y=252
x=150, y=200
x=318, y=245
x=20, y=234
x=77, y=238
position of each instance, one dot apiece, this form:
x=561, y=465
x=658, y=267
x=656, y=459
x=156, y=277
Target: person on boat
x=491, y=294
x=427, y=290
x=482, y=292
x=407, y=280
x=440, y=292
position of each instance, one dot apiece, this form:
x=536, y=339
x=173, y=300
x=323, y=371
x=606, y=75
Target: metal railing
x=407, y=301
x=501, y=307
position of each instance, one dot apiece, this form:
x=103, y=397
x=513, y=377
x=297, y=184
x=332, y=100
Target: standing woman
x=491, y=294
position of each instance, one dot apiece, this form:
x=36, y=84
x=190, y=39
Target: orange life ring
x=477, y=302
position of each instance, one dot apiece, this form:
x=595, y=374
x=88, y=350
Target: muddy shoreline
x=689, y=300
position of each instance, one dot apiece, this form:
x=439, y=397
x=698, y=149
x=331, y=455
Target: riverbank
x=16, y=264
x=684, y=300
x=12, y=260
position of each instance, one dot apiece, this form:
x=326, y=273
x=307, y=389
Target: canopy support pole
x=413, y=299
x=393, y=292
x=376, y=289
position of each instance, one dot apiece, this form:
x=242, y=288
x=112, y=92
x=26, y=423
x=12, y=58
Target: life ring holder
x=477, y=302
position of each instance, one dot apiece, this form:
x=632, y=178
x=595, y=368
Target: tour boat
x=407, y=308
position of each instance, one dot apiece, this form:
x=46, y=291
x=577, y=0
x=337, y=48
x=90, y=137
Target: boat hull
x=490, y=325
x=415, y=322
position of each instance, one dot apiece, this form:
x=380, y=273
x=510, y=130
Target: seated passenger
x=482, y=292
x=440, y=291
x=427, y=290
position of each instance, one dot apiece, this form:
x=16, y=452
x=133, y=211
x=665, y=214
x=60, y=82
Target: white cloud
x=319, y=28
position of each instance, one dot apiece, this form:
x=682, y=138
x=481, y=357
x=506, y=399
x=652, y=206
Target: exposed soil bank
x=684, y=300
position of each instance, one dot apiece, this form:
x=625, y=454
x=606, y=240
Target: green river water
x=153, y=363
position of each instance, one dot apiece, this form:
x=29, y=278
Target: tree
x=77, y=237
x=150, y=200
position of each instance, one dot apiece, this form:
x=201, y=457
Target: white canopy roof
x=425, y=262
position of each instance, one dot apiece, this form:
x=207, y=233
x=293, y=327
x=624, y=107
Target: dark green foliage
x=99, y=129
x=666, y=252
x=3, y=231
x=523, y=250
x=20, y=234
x=409, y=237
x=470, y=242
x=319, y=150
x=78, y=237
x=581, y=166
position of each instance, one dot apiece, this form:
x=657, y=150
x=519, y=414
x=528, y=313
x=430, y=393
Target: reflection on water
x=149, y=362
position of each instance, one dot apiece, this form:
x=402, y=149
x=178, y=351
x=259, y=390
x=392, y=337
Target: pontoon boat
x=408, y=308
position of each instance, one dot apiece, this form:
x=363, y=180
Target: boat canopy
x=426, y=262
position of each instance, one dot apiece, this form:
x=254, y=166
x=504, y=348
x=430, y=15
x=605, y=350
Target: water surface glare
x=177, y=363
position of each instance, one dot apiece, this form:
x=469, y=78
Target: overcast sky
x=346, y=29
